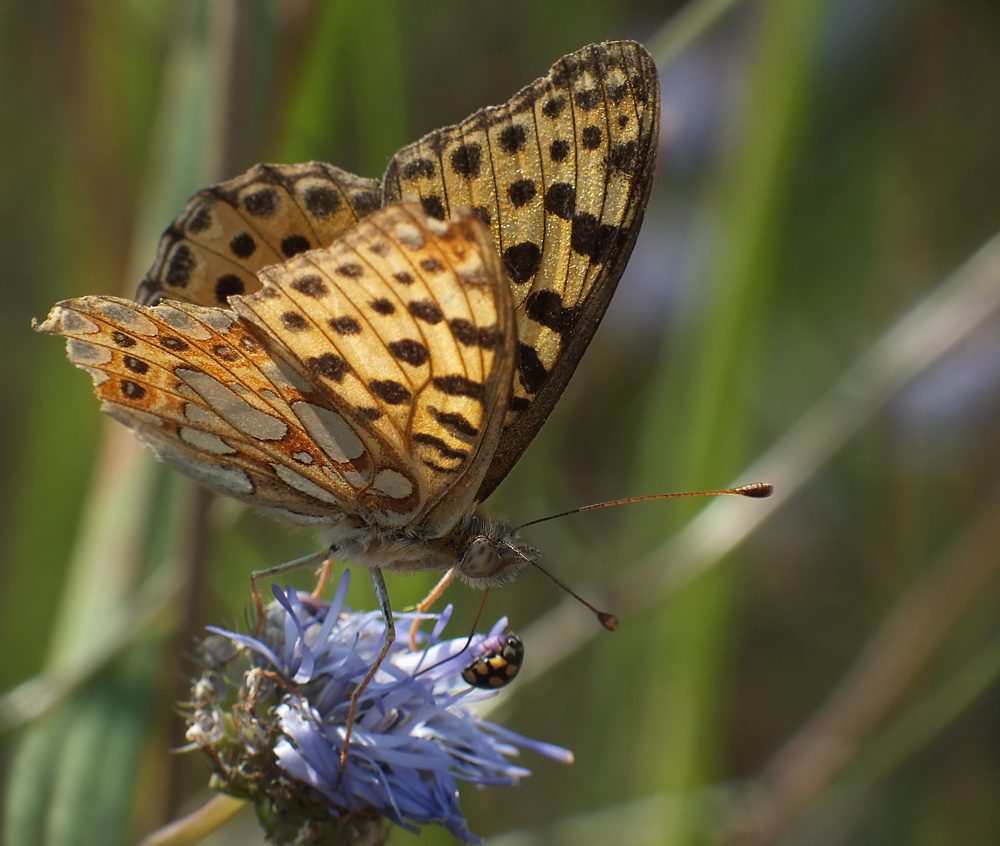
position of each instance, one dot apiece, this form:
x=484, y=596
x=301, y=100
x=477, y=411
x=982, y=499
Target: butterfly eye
x=481, y=559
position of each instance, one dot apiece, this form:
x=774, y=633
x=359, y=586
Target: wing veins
x=181, y=362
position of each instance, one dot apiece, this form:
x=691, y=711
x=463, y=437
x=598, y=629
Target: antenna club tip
x=609, y=621
x=758, y=490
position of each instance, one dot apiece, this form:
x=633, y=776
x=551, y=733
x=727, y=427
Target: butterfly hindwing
x=228, y=232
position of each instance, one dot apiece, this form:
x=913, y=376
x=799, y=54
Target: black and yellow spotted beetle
x=497, y=666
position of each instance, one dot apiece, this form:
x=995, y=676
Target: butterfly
x=560, y=175
x=374, y=357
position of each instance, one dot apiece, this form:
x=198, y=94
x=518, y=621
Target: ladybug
x=497, y=666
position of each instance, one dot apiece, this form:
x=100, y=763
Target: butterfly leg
x=270, y=572
x=324, y=574
x=428, y=601
x=382, y=595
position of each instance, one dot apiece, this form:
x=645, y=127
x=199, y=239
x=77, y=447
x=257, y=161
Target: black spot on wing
x=443, y=449
x=454, y=423
x=425, y=310
x=310, y=285
x=559, y=150
x=469, y=335
x=593, y=239
x=437, y=468
x=522, y=192
x=560, y=200
x=294, y=244
x=389, y=391
x=530, y=368
x=344, y=325
x=136, y=366
x=466, y=160
x=591, y=137
x=294, y=322
x=483, y=214
x=623, y=156
x=243, y=245
x=261, y=203
x=433, y=207
x=513, y=138
x=365, y=202
x=524, y=103
x=321, y=201
x=173, y=343
x=329, y=366
x=639, y=89
x=409, y=351
x=200, y=221
x=419, y=168
x=545, y=307
x=553, y=107
x=588, y=99
x=463, y=331
x=179, y=266
x=132, y=391
x=349, y=270
x=458, y=386
x=490, y=337
x=227, y=286
x=431, y=265
x=522, y=261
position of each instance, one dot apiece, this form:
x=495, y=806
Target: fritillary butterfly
x=560, y=175
x=384, y=379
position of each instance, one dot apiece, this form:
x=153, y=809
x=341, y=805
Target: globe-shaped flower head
x=270, y=712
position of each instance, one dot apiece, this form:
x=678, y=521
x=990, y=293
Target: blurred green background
x=825, y=168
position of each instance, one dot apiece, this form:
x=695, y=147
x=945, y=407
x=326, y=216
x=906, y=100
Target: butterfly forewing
x=228, y=232
x=561, y=174
x=409, y=325
x=194, y=384
x=365, y=379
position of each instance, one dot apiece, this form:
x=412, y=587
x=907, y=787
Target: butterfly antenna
x=758, y=490
x=609, y=621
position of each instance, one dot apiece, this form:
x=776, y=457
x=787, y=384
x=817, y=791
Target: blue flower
x=270, y=712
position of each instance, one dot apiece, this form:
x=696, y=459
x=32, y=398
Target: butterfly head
x=492, y=555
